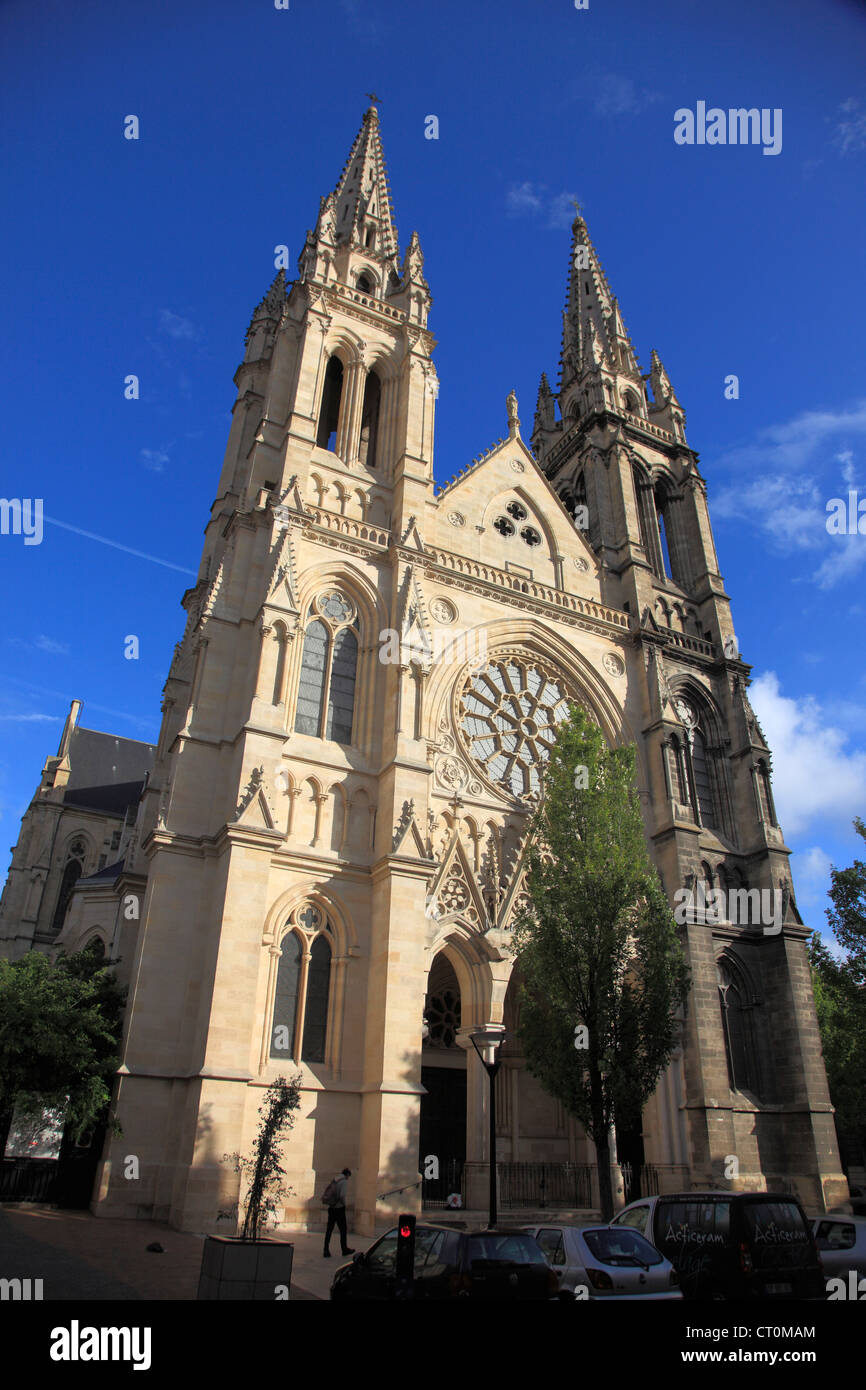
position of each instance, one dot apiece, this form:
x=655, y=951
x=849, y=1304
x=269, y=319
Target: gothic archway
x=443, y=1077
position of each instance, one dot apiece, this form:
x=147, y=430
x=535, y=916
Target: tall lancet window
x=703, y=780
x=370, y=421
x=299, y=1024
x=326, y=688
x=738, y=1028
x=72, y=872
x=329, y=415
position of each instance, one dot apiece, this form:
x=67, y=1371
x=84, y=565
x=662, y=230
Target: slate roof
x=106, y=772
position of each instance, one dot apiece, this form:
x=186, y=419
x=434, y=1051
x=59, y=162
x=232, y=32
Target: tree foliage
x=263, y=1167
x=596, y=945
x=840, y=998
x=847, y=916
x=60, y=1028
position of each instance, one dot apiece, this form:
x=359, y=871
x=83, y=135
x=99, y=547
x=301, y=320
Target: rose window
x=443, y=1018
x=508, y=715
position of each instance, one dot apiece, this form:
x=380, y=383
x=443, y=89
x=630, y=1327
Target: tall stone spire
x=594, y=333
x=362, y=198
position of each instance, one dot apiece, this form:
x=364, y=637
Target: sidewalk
x=81, y=1257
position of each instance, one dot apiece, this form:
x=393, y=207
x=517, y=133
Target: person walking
x=334, y=1197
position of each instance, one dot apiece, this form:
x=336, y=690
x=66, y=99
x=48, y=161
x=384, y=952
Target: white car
x=841, y=1242
x=602, y=1262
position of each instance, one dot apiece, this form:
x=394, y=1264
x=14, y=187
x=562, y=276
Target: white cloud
x=817, y=777
x=613, y=94
x=175, y=326
x=849, y=132
x=534, y=200
x=154, y=459
x=811, y=871
x=31, y=718
x=47, y=644
x=795, y=472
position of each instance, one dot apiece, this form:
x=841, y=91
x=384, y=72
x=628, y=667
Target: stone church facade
x=328, y=846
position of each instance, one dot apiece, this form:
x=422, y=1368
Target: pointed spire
x=362, y=198
x=663, y=392
x=544, y=406
x=594, y=332
x=413, y=263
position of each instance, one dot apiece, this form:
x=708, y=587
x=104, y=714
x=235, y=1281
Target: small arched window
x=326, y=688
x=370, y=421
x=329, y=414
x=364, y=284
x=300, y=1015
x=765, y=793
x=72, y=871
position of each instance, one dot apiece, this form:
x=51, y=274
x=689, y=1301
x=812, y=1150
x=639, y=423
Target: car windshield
x=513, y=1249
x=618, y=1246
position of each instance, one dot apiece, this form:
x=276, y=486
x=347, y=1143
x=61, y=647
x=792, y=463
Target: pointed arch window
x=738, y=1029
x=72, y=871
x=765, y=793
x=703, y=781
x=370, y=421
x=329, y=414
x=326, y=687
x=299, y=1024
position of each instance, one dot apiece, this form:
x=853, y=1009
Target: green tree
x=263, y=1166
x=60, y=1027
x=603, y=973
x=847, y=916
x=840, y=1003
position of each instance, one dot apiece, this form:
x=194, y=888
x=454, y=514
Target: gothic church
x=324, y=850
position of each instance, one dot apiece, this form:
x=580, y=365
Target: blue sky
x=148, y=257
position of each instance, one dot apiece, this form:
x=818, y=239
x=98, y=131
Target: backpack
x=331, y=1193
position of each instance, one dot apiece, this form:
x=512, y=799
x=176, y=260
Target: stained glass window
x=311, y=687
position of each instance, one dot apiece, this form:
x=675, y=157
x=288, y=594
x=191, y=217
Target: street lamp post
x=490, y=1040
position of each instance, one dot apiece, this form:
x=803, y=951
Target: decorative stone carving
x=580, y=563
x=442, y=610
x=613, y=664
x=457, y=518
x=685, y=713
x=518, y=465
x=256, y=779
x=451, y=773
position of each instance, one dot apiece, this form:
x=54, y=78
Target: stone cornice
x=532, y=597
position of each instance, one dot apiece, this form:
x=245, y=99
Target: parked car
x=732, y=1244
x=841, y=1242
x=598, y=1262
x=452, y=1264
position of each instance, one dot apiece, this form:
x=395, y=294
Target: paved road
x=81, y=1257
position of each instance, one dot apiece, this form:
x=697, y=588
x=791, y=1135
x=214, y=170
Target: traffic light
x=405, y=1267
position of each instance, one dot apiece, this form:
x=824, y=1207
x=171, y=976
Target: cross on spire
x=373, y=98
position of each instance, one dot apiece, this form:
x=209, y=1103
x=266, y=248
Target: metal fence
x=436, y=1191
x=545, y=1184
x=28, y=1180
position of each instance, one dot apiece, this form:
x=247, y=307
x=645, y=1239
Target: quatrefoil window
x=514, y=509
x=530, y=535
x=503, y=526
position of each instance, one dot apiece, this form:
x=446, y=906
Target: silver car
x=606, y=1262
x=841, y=1242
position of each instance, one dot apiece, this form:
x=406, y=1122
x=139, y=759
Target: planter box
x=231, y=1268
